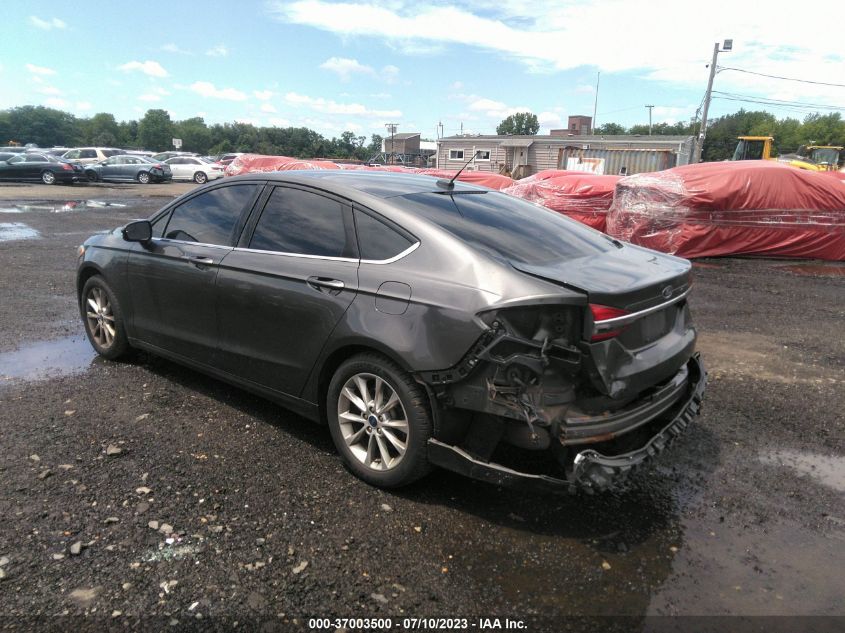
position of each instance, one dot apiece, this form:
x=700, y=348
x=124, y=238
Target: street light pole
x=649, y=118
x=726, y=47
x=391, y=127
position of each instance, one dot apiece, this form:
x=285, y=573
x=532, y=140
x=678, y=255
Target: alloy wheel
x=373, y=421
x=98, y=312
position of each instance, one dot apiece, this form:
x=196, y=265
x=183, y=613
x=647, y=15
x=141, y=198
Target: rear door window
x=303, y=223
x=376, y=240
x=210, y=217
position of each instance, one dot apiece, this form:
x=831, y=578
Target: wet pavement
x=745, y=515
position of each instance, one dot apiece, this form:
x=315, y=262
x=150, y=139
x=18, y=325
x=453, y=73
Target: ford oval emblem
x=667, y=292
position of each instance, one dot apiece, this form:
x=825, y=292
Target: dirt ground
x=745, y=515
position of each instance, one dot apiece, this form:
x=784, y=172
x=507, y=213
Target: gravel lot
x=100, y=461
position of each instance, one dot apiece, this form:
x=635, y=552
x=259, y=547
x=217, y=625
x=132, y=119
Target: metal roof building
x=522, y=156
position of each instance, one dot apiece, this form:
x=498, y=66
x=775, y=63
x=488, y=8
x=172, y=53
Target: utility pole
x=726, y=47
x=391, y=128
x=649, y=118
x=595, y=105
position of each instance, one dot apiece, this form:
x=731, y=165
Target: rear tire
x=92, y=176
x=144, y=178
x=200, y=178
x=379, y=421
x=48, y=177
x=103, y=319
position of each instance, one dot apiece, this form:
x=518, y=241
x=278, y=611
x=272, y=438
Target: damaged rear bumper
x=591, y=472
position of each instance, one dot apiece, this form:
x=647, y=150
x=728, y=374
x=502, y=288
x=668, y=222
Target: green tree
x=610, y=129
x=103, y=130
x=45, y=127
x=155, y=130
x=519, y=123
x=194, y=133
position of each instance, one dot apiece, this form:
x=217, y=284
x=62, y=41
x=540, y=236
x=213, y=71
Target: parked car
x=125, y=168
x=48, y=169
x=426, y=322
x=13, y=149
x=226, y=159
x=90, y=155
x=194, y=168
x=166, y=155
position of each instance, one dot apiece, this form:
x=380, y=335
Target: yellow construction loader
x=809, y=157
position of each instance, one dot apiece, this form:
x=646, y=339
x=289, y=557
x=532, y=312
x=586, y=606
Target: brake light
x=158, y=167
x=604, y=328
x=67, y=166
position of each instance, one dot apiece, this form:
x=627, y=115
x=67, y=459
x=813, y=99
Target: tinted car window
x=295, y=221
x=376, y=240
x=508, y=228
x=88, y=153
x=36, y=158
x=111, y=152
x=210, y=217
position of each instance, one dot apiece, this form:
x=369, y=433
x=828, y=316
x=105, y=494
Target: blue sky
x=335, y=66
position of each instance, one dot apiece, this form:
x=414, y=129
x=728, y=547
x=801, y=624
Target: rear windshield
x=506, y=227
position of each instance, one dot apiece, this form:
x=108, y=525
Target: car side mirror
x=138, y=231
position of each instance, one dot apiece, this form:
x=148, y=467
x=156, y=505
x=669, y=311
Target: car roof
x=376, y=184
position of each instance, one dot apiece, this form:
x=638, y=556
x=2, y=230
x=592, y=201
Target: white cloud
x=279, y=122
x=344, y=67
x=174, y=48
x=46, y=25
x=263, y=95
x=457, y=85
x=151, y=68
x=149, y=97
x=327, y=106
x=83, y=106
x=556, y=36
x=40, y=70
x=266, y=107
x=55, y=102
x=50, y=90
x=208, y=89
x=584, y=89
x=550, y=120
x=217, y=51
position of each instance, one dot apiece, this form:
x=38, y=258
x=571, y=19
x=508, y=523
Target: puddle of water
x=10, y=231
x=816, y=270
x=46, y=359
x=828, y=470
x=62, y=207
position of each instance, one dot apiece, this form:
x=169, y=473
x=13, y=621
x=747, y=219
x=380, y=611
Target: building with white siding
x=522, y=156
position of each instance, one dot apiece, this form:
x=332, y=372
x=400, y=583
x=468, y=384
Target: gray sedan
x=126, y=168
x=426, y=322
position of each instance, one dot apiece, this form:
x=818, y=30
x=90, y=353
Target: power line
x=804, y=81
x=781, y=101
x=795, y=109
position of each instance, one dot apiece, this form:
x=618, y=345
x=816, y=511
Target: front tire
x=200, y=178
x=144, y=178
x=48, y=177
x=91, y=175
x=103, y=319
x=379, y=421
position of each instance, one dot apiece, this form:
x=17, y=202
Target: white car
x=194, y=168
x=90, y=155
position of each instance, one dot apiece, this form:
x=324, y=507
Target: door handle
x=323, y=282
x=199, y=260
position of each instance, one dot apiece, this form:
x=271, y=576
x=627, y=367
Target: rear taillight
x=604, y=325
x=67, y=167
x=158, y=167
